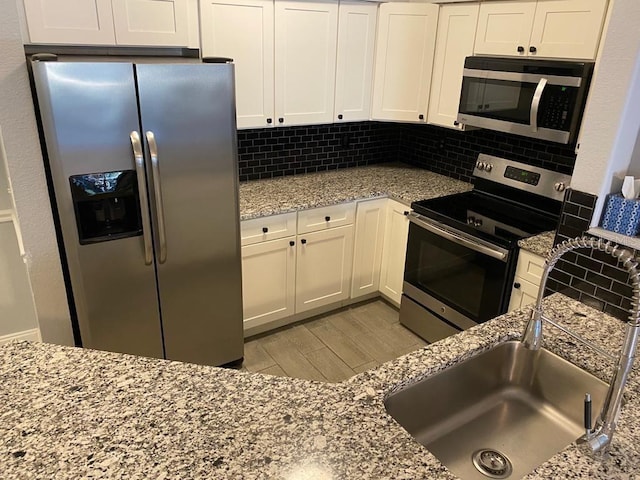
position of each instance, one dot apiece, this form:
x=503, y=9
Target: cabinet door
x=404, y=60
x=567, y=28
x=305, y=61
x=523, y=293
x=367, y=251
x=243, y=30
x=354, y=66
x=456, y=35
x=268, y=281
x=504, y=28
x=323, y=270
x=394, y=251
x=82, y=22
x=151, y=22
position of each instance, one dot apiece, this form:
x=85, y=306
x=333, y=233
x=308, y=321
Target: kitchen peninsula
x=71, y=413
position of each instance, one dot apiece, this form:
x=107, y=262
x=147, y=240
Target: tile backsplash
x=594, y=278
x=272, y=152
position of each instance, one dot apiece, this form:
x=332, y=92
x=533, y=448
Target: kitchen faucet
x=599, y=438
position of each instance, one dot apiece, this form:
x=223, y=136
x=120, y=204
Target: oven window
x=470, y=282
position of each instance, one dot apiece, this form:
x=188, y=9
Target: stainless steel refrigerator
x=144, y=171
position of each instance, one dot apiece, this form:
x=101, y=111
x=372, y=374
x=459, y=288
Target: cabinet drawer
x=267, y=228
x=326, y=217
x=530, y=267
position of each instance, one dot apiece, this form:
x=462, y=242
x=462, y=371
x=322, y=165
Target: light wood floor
x=334, y=346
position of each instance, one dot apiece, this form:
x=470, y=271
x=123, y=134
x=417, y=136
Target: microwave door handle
x=535, y=104
x=136, y=145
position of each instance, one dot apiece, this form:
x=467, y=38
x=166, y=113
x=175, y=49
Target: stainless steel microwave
x=536, y=98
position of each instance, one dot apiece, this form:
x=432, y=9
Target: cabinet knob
x=292, y=243
x=281, y=120
x=456, y=123
x=516, y=285
x=405, y=213
x=520, y=49
x=303, y=241
x=533, y=49
x=265, y=229
x=269, y=120
x=421, y=117
x=339, y=116
x=327, y=218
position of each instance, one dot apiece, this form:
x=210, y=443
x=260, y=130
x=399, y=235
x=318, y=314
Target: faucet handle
x=587, y=414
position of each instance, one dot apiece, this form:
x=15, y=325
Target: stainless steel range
x=462, y=249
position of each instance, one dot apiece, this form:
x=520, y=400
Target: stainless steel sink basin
x=524, y=405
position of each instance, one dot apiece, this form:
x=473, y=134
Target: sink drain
x=492, y=463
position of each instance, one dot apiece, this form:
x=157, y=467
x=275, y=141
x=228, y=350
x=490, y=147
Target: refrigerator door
x=88, y=112
x=188, y=119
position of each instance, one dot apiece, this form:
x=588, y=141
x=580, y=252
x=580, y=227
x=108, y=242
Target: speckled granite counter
x=68, y=413
x=538, y=244
x=259, y=198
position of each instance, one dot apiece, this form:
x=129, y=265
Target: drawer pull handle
x=265, y=229
x=516, y=285
x=292, y=243
x=303, y=241
x=405, y=213
x=327, y=218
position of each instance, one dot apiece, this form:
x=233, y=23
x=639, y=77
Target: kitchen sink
x=499, y=414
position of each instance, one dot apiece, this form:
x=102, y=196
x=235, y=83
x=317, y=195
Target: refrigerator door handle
x=136, y=145
x=155, y=171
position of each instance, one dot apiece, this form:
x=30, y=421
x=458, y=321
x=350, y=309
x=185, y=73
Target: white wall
x=612, y=120
x=25, y=166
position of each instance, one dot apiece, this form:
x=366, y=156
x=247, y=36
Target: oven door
x=460, y=278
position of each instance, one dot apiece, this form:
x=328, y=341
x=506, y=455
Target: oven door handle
x=459, y=238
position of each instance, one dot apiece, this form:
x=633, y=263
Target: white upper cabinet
x=404, y=61
x=454, y=42
x=504, y=28
x=151, y=22
x=546, y=28
x=305, y=61
x=110, y=22
x=77, y=22
x=568, y=28
x=243, y=30
x=354, y=66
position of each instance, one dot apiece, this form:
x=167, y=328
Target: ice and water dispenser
x=106, y=205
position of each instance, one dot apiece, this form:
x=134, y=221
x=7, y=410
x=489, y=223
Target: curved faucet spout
x=600, y=438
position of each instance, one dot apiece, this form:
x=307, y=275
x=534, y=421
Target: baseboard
x=32, y=335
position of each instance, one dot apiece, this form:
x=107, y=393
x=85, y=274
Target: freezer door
x=188, y=119
x=88, y=112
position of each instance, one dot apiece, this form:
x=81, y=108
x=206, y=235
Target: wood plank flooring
x=334, y=346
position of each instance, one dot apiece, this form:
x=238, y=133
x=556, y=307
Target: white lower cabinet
x=371, y=217
x=526, y=283
x=394, y=251
x=323, y=270
x=268, y=281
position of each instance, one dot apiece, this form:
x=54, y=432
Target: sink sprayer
x=600, y=437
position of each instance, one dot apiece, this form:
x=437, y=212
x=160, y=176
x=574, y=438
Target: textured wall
x=24, y=162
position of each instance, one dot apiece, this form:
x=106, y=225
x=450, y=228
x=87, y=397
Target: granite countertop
x=538, y=244
x=259, y=198
x=70, y=413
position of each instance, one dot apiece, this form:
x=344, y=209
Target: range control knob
x=559, y=187
x=478, y=223
x=480, y=165
x=488, y=167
